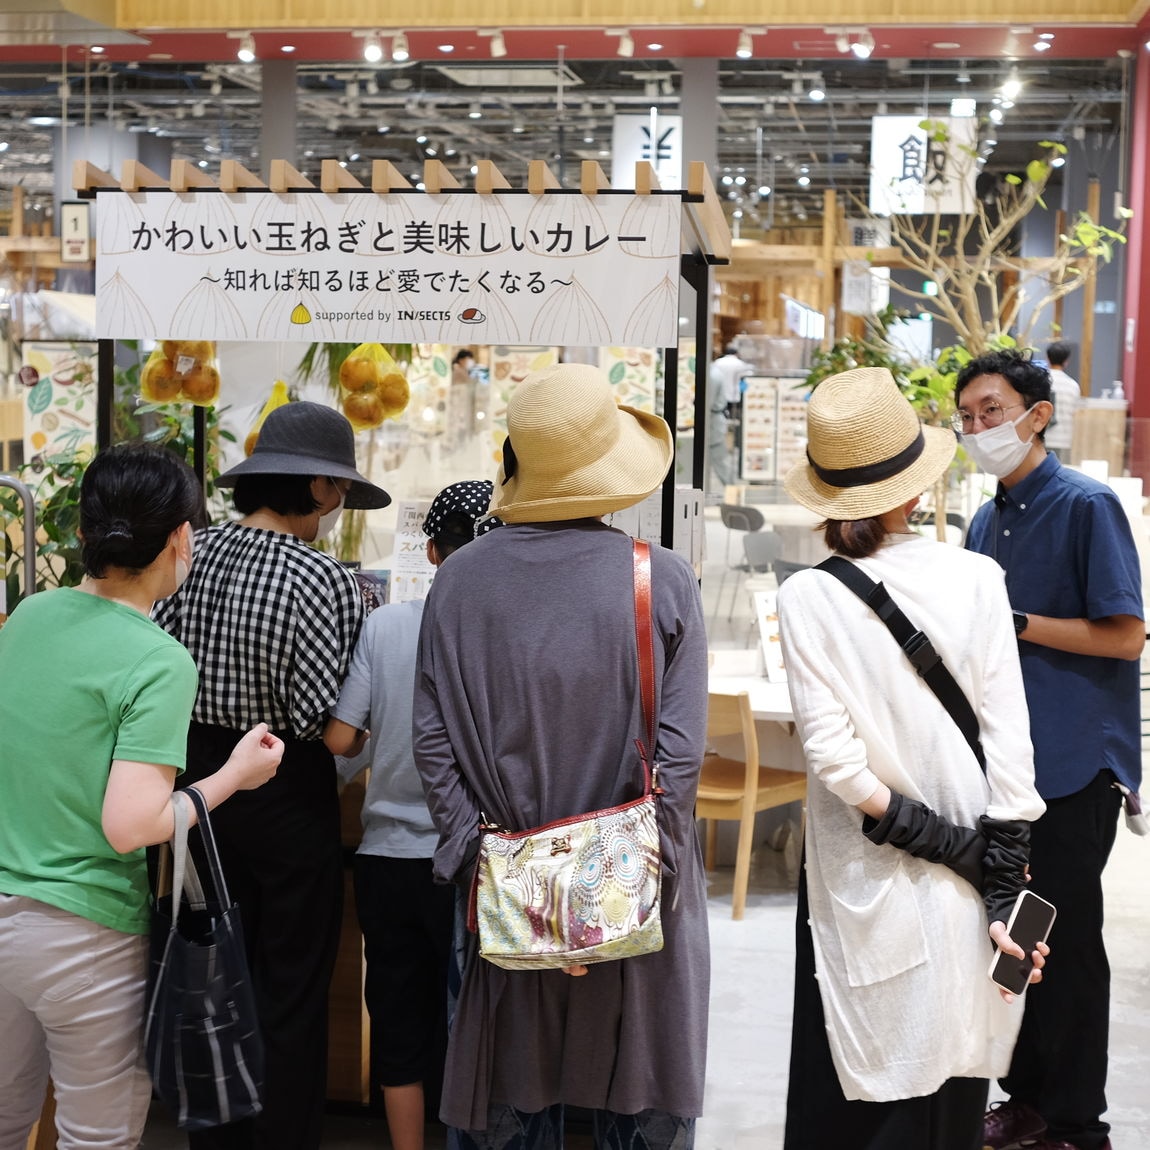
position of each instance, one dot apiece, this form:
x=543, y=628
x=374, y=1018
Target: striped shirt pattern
x=271, y=624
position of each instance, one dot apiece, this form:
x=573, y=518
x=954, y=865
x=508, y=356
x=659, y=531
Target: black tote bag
x=202, y=1037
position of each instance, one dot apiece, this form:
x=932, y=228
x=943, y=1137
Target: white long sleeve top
x=901, y=945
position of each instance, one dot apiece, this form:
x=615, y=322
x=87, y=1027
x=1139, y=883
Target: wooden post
x=827, y=265
x=1089, y=295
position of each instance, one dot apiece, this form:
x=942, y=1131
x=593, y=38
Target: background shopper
x=896, y=1026
x=406, y=917
x=527, y=707
x=1073, y=576
x=94, y=714
x=271, y=623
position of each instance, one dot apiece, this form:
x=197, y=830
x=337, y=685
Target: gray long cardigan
x=527, y=706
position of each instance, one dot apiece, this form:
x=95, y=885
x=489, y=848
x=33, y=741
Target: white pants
x=72, y=1005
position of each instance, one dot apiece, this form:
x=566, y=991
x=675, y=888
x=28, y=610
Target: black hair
x=1018, y=369
x=132, y=497
x=854, y=538
x=1058, y=353
x=457, y=529
x=462, y=354
x=283, y=494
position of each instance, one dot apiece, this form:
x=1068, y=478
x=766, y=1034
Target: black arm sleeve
x=913, y=827
x=1004, y=865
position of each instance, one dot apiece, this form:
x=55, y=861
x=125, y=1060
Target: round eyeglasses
x=990, y=416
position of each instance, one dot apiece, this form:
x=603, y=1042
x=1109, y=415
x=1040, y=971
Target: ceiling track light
x=246, y=52
x=745, y=48
x=857, y=42
x=626, y=46
x=475, y=112
x=372, y=48
x=400, y=52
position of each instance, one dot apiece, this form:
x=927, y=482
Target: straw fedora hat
x=309, y=439
x=574, y=452
x=867, y=451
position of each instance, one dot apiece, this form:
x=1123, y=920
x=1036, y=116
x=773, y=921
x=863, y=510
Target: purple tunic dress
x=527, y=706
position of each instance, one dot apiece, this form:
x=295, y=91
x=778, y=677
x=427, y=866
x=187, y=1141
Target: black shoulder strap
x=919, y=649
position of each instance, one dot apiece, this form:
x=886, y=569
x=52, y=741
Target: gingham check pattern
x=271, y=624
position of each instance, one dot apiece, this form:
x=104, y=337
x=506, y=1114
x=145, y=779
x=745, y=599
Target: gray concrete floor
x=752, y=981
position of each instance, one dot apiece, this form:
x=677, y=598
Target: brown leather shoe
x=1006, y=1124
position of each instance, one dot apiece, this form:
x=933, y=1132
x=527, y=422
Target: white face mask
x=999, y=451
x=327, y=521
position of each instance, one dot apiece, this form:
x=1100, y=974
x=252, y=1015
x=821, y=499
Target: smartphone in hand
x=1030, y=923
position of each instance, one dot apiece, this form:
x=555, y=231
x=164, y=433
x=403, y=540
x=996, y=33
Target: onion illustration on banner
x=121, y=308
x=206, y=308
x=119, y=220
x=654, y=322
x=571, y=316
x=651, y=227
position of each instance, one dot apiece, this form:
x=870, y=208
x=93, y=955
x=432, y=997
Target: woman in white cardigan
x=897, y=1027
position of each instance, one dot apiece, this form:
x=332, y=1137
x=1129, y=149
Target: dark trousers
x=281, y=854
x=407, y=920
x=819, y=1117
x=1059, y=1064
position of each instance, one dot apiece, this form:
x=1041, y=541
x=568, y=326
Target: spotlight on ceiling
x=1012, y=85
x=626, y=41
x=817, y=91
x=857, y=41
x=372, y=48
x=475, y=112
x=246, y=52
x=745, y=48
x=399, y=48
x=963, y=107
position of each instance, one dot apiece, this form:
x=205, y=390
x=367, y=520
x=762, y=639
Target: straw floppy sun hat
x=867, y=451
x=572, y=452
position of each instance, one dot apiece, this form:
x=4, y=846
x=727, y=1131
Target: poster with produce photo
x=59, y=384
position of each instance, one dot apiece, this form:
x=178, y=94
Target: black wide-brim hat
x=309, y=439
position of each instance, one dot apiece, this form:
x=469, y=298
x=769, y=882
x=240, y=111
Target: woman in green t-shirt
x=94, y=713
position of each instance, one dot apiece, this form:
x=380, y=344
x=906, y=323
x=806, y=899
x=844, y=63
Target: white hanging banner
x=866, y=289
x=916, y=170
x=462, y=268
x=658, y=140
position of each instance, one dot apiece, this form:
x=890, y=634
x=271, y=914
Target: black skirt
x=819, y=1117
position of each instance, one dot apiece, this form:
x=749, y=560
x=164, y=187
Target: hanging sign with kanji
x=460, y=268
x=920, y=166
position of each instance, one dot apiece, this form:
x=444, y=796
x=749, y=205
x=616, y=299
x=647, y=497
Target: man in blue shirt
x=1073, y=577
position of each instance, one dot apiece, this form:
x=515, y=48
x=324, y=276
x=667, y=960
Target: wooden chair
x=738, y=789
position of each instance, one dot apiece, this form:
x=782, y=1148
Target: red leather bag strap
x=644, y=646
